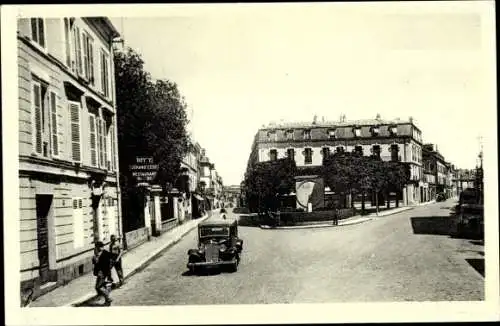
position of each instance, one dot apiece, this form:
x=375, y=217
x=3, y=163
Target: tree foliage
x=267, y=180
x=151, y=121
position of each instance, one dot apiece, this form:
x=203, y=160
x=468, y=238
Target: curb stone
x=143, y=264
x=357, y=221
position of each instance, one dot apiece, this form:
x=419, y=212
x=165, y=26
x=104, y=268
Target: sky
x=240, y=67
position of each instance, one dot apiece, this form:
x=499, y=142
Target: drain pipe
x=121, y=234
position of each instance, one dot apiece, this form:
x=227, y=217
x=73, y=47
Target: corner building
x=68, y=166
x=307, y=143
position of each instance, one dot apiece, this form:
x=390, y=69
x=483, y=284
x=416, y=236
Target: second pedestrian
x=116, y=258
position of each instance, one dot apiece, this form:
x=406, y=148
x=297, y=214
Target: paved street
x=404, y=257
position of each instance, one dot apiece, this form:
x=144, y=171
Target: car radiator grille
x=212, y=252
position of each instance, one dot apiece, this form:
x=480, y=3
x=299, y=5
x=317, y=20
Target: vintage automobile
x=470, y=214
x=218, y=246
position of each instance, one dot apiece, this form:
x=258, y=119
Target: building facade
x=307, y=143
x=68, y=164
x=441, y=171
x=191, y=166
x=211, y=182
x=232, y=195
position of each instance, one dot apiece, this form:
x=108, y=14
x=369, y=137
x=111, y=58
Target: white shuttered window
x=37, y=117
x=113, y=148
x=100, y=137
x=54, y=120
x=93, y=140
x=74, y=110
x=78, y=226
x=104, y=73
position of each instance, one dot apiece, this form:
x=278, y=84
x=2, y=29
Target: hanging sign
x=144, y=170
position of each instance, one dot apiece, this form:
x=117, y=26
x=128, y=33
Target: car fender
x=239, y=244
x=193, y=252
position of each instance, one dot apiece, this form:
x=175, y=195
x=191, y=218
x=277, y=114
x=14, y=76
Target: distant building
x=465, y=178
x=211, y=182
x=190, y=167
x=441, y=171
x=68, y=166
x=308, y=142
x=232, y=195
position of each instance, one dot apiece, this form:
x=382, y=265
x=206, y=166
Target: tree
x=266, y=181
x=151, y=122
x=347, y=173
x=398, y=177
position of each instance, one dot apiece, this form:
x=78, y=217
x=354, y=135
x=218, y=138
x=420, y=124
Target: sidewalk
x=82, y=288
x=348, y=221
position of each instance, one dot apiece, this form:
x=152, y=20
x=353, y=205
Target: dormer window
x=273, y=155
x=38, y=31
x=357, y=131
x=272, y=136
x=375, y=131
x=332, y=133
x=393, y=130
x=289, y=134
x=307, y=134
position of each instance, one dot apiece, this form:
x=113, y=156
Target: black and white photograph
x=250, y=163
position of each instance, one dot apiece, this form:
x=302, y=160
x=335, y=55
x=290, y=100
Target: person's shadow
x=94, y=302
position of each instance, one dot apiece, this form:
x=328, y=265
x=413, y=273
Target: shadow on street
x=477, y=264
x=204, y=272
x=249, y=220
x=94, y=302
x=438, y=225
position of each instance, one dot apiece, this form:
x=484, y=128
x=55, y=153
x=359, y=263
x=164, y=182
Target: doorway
x=43, y=205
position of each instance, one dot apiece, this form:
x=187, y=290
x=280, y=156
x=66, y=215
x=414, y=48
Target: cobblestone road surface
x=404, y=257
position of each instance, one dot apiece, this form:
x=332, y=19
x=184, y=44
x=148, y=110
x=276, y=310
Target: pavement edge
x=357, y=221
x=143, y=264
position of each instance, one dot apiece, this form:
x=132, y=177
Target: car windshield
x=214, y=231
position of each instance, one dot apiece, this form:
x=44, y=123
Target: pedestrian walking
x=335, y=215
x=116, y=258
x=102, y=271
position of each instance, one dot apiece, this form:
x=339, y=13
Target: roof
x=363, y=122
x=218, y=222
x=110, y=25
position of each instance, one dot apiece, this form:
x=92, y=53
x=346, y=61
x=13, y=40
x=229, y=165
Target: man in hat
x=102, y=271
x=116, y=256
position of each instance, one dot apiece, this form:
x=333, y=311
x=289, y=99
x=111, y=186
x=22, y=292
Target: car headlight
x=223, y=248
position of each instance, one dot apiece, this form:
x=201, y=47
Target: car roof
x=218, y=222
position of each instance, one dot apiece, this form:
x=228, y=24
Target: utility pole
x=479, y=170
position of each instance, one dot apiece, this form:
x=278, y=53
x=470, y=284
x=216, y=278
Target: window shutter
x=37, y=118
x=75, y=132
x=93, y=154
x=91, y=62
x=105, y=139
x=41, y=32
x=78, y=50
x=54, y=121
x=85, y=55
x=112, y=144
x=99, y=137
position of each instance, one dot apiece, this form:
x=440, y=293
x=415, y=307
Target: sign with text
x=144, y=169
